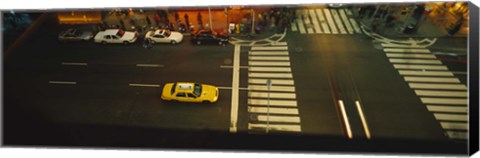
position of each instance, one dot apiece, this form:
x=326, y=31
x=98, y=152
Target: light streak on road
x=143, y=85
x=62, y=82
x=364, y=121
x=74, y=64
x=345, y=118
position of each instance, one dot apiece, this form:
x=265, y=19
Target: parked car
x=189, y=92
x=115, y=36
x=209, y=37
x=164, y=36
x=73, y=35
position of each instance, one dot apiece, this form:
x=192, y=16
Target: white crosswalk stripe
x=308, y=23
x=316, y=26
x=275, y=105
x=345, y=21
x=355, y=25
x=330, y=21
x=338, y=21
x=437, y=88
x=325, y=21
x=299, y=21
x=322, y=21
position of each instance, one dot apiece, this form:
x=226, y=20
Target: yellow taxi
x=190, y=92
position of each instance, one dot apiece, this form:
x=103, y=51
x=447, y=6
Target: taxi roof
x=184, y=86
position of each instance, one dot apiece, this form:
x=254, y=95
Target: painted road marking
x=271, y=95
x=270, y=69
x=235, y=89
x=437, y=86
x=345, y=119
x=401, y=45
x=330, y=21
x=308, y=23
x=431, y=79
x=268, y=58
x=457, y=135
x=272, y=88
x=345, y=21
x=268, y=53
x=270, y=75
x=454, y=125
x=355, y=25
x=299, y=20
x=286, y=119
x=74, y=64
x=455, y=101
x=294, y=26
x=264, y=63
x=143, y=85
x=316, y=26
x=364, y=121
x=279, y=43
x=274, y=81
x=149, y=65
x=321, y=18
x=425, y=73
x=264, y=102
x=451, y=117
x=400, y=55
x=415, y=61
x=338, y=21
x=62, y=82
x=276, y=127
x=441, y=93
x=230, y=66
x=421, y=67
x=289, y=111
x=455, y=109
x=271, y=48
x=403, y=50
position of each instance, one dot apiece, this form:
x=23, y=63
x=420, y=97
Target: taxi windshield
x=197, y=89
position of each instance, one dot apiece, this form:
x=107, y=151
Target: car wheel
x=103, y=42
x=173, y=42
x=206, y=101
x=198, y=42
x=125, y=42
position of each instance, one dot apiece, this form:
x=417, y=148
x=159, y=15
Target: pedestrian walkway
x=271, y=109
x=325, y=21
x=438, y=89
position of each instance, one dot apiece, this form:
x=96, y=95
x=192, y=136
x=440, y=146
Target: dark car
x=209, y=37
x=73, y=34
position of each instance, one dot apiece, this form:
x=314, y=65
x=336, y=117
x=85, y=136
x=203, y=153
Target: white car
x=115, y=36
x=164, y=36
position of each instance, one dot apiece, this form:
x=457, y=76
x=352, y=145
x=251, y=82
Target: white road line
x=338, y=21
x=438, y=108
x=403, y=50
x=268, y=53
x=454, y=101
x=270, y=75
x=149, y=65
x=425, y=73
x=457, y=135
x=74, y=64
x=437, y=86
x=143, y=85
x=431, y=79
x=272, y=95
x=262, y=63
x=401, y=55
x=316, y=26
x=364, y=121
x=294, y=26
x=355, y=25
x=268, y=58
x=415, y=61
x=264, y=102
x=299, y=20
x=451, y=117
x=308, y=23
x=345, y=119
x=401, y=46
x=274, y=82
x=289, y=111
x=322, y=20
x=279, y=43
x=272, y=88
x=345, y=21
x=330, y=21
x=286, y=119
x=421, y=67
x=271, y=48
x=441, y=93
x=270, y=69
x=454, y=125
x=229, y=66
x=235, y=89
x=62, y=82
x=276, y=127
x=229, y=88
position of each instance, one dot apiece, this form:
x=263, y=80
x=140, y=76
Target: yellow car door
x=181, y=96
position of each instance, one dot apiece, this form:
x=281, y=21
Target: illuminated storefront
x=449, y=14
x=79, y=17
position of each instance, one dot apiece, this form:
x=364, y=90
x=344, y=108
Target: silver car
x=73, y=34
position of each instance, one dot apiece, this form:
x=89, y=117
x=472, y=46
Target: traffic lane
x=318, y=112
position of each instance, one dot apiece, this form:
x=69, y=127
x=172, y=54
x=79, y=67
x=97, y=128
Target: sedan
x=73, y=34
x=209, y=37
x=164, y=36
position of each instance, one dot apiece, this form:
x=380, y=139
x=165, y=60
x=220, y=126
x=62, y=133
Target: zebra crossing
x=274, y=108
x=438, y=89
x=325, y=21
